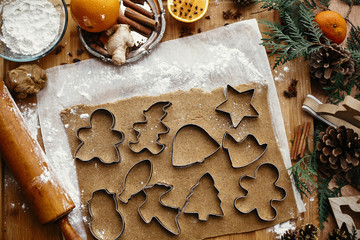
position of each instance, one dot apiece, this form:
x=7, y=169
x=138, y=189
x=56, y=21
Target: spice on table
x=79, y=51
x=75, y=60
x=299, y=145
x=58, y=49
x=291, y=92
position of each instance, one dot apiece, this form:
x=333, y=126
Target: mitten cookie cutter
x=252, y=91
x=126, y=176
x=194, y=163
x=271, y=201
x=116, y=208
x=192, y=192
x=155, y=217
x=111, y=128
x=238, y=142
x=163, y=146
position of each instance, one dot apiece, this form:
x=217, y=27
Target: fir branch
x=353, y=233
x=353, y=40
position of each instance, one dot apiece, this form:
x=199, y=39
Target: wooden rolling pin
x=28, y=163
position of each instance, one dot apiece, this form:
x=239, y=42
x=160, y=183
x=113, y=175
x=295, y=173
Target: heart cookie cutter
x=163, y=146
x=170, y=187
x=252, y=90
x=192, y=192
x=111, y=128
x=116, y=208
x=239, y=142
x=271, y=201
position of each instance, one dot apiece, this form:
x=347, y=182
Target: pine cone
x=243, y=2
x=324, y=64
x=338, y=149
x=289, y=235
x=308, y=232
x=339, y=234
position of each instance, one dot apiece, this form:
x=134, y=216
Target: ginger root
x=120, y=39
x=25, y=80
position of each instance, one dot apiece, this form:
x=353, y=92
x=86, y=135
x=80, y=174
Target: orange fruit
x=333, y=25
x=187, y=10
x=95, y=15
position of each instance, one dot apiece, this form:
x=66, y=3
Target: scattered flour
x=281, y=228
x=29, y=26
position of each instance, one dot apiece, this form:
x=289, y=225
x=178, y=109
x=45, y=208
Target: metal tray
x=149, y=44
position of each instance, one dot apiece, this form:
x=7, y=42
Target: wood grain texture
x=18, y=221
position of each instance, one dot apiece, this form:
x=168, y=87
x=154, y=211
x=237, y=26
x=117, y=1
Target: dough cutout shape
x=136, y=180
x=91, y=139
x=154, y=208
x=103, y=205
x=238, y=105
x=203, y=199
x=149, y=131
x=244, y=152
x=192, y=145
x=265, y=178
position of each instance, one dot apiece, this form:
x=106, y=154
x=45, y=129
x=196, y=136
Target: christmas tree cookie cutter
x=131, y=170
x=226, y=135
x=170, y=187
x=92, y=217
x=192, y=192
x=251, y=91
x=271, y=201
x=111, y=128
x=203, y=159
x=163, y=146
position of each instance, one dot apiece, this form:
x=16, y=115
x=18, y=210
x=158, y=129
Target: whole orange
x=95, y=15
x=333, y=25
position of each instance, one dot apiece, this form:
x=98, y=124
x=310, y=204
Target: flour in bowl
x=29, y=26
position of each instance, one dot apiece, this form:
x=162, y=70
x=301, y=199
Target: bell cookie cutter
x=155, y=217
x=111, y=128
x=126, y=176
x=192, y=192
x=227, y=98
x=194, y=163
x=92, y=216
x=271, y=201
x=244, y=139
x=163, y=146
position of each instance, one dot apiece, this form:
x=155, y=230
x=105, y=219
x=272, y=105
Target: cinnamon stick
x=136, y=7
x=136, y=26
x=295, y=145
x=305, y=134
x=140, y=18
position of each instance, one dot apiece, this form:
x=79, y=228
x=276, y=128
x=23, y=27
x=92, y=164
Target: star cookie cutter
x=163, y=146
x=194, y=163
x=271, y=201
x=111, y=128
x=192, y=192
x=116, y=208
x=155, y=217
x=242, y=140
x=252, y=90
x=127, y=174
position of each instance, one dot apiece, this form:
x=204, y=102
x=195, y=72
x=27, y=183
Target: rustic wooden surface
x=18, y=221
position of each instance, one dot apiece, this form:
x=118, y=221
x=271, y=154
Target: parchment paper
x=207, y=61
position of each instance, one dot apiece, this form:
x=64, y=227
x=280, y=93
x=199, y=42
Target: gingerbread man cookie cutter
x=271, y=201
x=111, y=128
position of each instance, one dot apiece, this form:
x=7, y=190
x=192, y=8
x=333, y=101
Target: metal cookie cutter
x=116, y=208
x=191, y=164
x=192, y=192
x=271, y=201
x=235, y=125
x=155, y=217
x=146, y=161
x=111, y=128
x=265, y=145
x=166, y=105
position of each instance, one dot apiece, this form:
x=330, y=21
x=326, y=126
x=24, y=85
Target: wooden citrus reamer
x=28, y=163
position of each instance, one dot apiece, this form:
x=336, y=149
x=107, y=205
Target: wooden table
x=18, y=221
